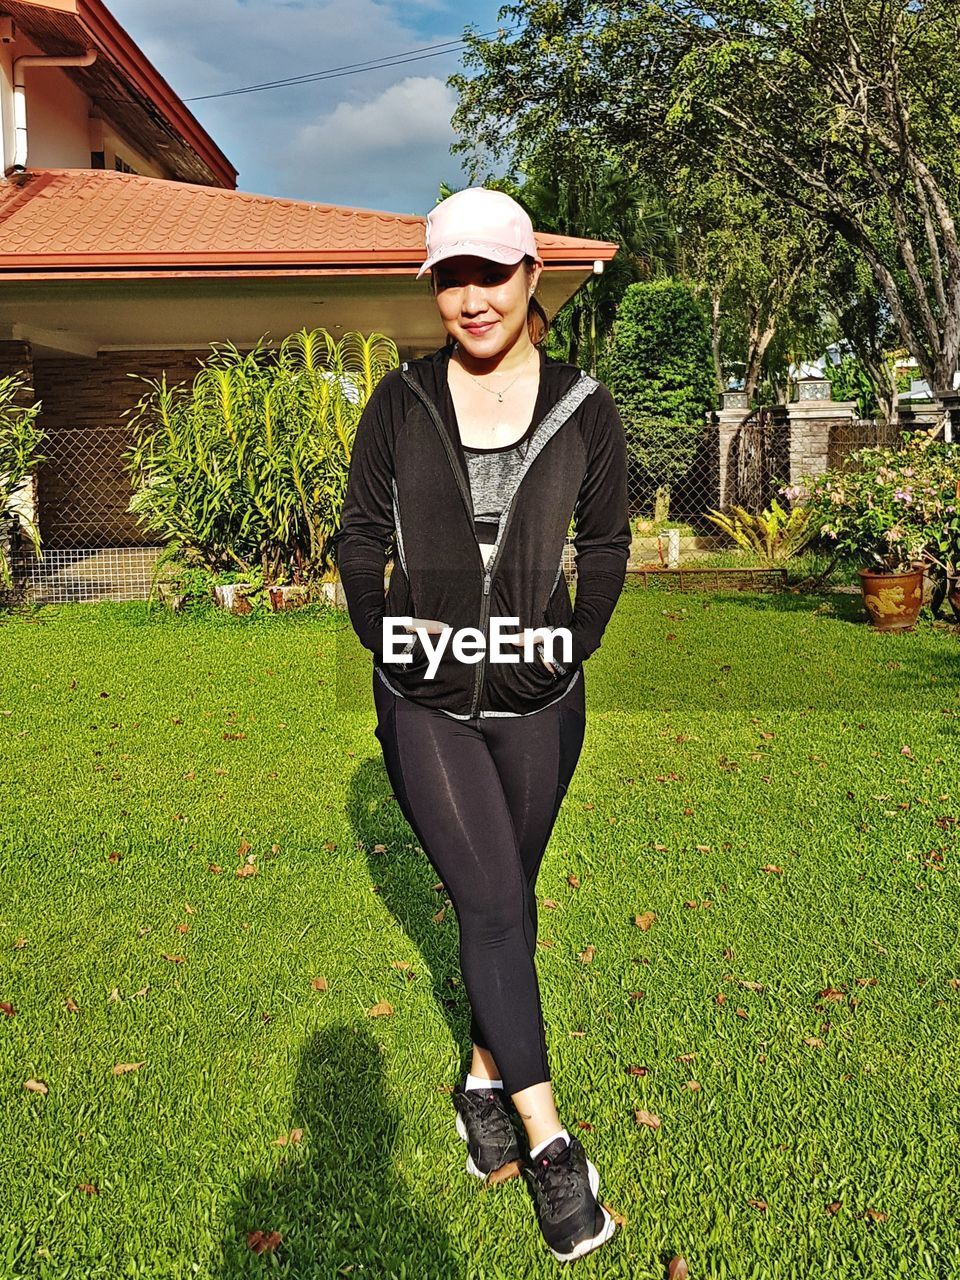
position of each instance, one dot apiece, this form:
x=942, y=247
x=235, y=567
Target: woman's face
x=483, y=304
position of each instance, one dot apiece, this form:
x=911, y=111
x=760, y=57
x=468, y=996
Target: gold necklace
x=498, y=394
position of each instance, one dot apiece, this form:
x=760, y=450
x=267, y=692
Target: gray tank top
x=493, y=475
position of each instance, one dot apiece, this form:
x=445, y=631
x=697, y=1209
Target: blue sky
x=380, y=139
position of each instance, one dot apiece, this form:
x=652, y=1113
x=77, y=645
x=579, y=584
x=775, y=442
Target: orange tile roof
x=69, y=223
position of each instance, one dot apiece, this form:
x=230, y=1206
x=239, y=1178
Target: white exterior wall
x=63, y=125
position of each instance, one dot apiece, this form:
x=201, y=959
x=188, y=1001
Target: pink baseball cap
x=482, y=223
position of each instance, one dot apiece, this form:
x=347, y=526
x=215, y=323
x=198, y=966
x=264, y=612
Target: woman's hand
x=431, y=625
x=518, y=638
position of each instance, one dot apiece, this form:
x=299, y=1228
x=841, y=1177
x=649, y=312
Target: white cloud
x=416, y=112
x=380, y=139
x=396, y=143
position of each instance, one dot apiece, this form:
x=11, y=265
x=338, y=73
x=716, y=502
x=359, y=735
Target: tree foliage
x=658, y=368
x=845, y=111
x=246, y=468
x=21, y=438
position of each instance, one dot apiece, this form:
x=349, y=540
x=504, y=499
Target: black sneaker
x=485, y=1125
x=564, y=1184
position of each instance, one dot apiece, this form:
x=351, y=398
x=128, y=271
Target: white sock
x=561, y=1133
x=477, y=1082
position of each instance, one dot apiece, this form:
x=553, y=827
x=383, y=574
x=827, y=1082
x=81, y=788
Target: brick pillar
x=17, y=357
x=729, y=422
x=812, y=425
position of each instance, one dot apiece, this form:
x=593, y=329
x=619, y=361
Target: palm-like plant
x=247, y=468
x=775, y=534
x=20, y=441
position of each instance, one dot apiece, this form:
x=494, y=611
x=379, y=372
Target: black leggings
x=482, y=796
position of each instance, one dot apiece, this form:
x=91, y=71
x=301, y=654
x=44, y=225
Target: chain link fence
x=93, y=548
x=742, y=458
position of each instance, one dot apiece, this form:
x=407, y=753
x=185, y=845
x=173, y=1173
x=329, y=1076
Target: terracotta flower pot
x=893, y=600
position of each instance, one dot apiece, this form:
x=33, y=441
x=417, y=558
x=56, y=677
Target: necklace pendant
x=500, y=397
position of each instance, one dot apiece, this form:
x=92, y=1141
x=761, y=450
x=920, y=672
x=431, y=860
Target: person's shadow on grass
x=408, y=886
x=334, y=1198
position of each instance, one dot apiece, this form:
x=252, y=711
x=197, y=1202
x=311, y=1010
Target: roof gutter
x=20, y=95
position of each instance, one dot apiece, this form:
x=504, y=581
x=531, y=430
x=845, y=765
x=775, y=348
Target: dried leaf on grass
x=615, y=1214
x=647, y=1118
x=263, y=1241
x=512, y=1169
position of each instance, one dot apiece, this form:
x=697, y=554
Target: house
x=126, y=248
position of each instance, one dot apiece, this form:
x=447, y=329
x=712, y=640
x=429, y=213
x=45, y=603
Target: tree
x=755, y=264
x=535, y=101
x=863, y=321
x=658, y=369
x=845, y=110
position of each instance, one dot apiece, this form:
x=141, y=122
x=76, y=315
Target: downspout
x=20, y=97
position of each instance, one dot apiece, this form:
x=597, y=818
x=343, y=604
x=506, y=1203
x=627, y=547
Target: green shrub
x=774, y=535
x=246, y=469
x=20, y=440
x=658, y=367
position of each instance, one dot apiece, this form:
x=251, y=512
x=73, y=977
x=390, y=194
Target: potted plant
x=895, y=511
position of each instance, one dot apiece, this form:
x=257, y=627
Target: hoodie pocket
x=399, y=604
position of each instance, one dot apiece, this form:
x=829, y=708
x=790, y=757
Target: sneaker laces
x=490, y=1117
x=562, y=1182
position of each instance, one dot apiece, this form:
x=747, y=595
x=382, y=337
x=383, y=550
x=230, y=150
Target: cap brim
x=503, y=253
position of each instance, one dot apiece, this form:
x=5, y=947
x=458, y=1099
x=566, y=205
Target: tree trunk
x=715, y=340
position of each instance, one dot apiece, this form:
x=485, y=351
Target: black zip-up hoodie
x=408, y=493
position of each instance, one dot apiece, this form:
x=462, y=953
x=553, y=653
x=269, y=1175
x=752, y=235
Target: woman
x=470, y=464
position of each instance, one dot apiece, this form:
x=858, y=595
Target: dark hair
x=538, y=322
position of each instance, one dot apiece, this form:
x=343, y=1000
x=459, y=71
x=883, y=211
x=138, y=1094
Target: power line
x=357, y=68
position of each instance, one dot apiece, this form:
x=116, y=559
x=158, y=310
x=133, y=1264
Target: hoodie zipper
x=431, y=409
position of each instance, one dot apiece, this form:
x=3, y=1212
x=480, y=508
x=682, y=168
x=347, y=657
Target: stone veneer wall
x=83, y=490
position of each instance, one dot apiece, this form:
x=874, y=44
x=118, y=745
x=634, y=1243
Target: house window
x=121, y=166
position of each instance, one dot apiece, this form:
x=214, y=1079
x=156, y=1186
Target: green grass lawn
x=774, y=780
